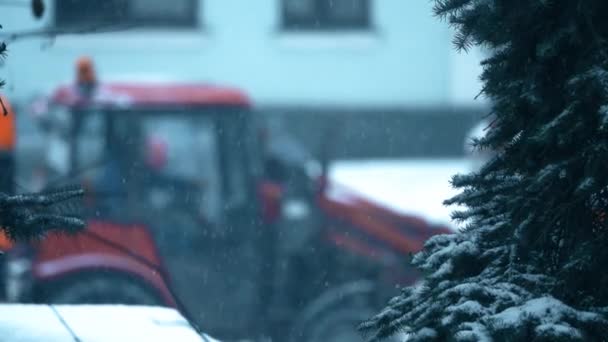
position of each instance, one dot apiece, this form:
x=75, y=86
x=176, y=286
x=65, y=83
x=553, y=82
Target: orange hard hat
x=85, y=70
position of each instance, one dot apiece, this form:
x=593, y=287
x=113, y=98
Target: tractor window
x=92, y=140
x=182, y=155
x=57, y=126
x=140, y=162
x=235, y=170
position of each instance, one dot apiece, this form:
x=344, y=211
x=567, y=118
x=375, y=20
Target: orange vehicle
x=186, y=208
x=7, y=156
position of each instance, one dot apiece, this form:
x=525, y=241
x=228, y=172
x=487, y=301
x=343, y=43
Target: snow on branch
x=30, y=216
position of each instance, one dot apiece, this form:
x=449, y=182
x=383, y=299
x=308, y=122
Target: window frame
x=192, y=22
x=322, y=20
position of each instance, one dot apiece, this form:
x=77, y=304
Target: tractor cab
x=154, y=155
x=141, y=149
x=170, y=171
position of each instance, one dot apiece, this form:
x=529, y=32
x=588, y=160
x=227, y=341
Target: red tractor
x=186, y=208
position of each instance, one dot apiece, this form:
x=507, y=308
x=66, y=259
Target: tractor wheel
x=334, y=315
x=100, y=289
x=338, y=325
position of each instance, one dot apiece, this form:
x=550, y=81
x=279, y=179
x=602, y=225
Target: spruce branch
x=30, y=216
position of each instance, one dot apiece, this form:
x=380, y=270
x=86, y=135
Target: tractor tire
x=100, y=289
x=334, y=315
x=337, y=325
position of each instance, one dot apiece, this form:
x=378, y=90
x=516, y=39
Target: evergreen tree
x=529, y=264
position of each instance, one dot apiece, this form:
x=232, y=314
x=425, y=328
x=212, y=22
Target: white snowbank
x=94, y=323
x=410, y=186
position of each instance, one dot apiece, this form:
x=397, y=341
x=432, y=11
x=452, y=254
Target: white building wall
x=465, y=85
x=406, y=60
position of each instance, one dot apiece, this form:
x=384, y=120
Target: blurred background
x=370, y=93
x=384, y=72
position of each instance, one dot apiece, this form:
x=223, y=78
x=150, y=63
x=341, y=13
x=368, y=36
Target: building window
x=137, y=13
x=326, y=14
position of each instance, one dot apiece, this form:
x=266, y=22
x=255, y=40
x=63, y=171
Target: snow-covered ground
x=410, y=186
x=94, y=323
